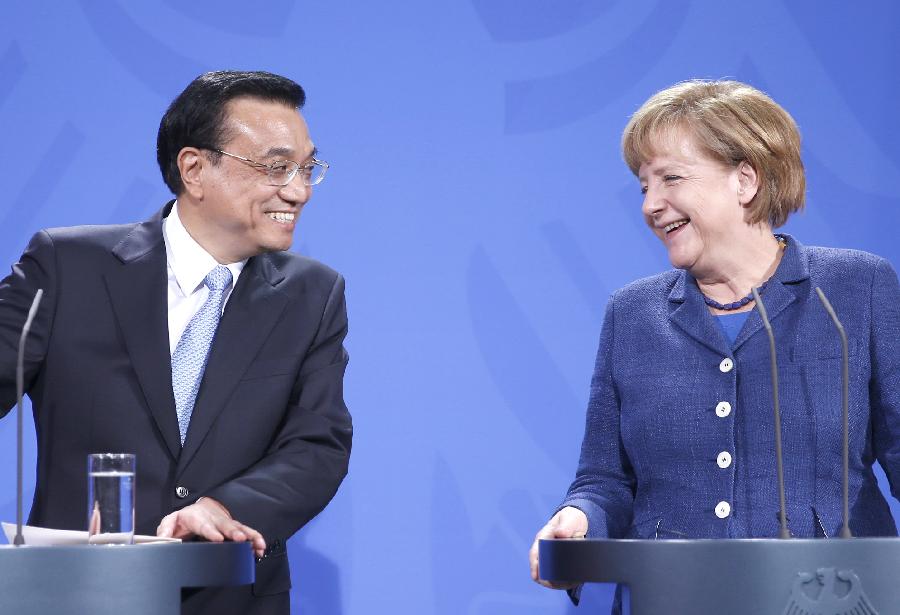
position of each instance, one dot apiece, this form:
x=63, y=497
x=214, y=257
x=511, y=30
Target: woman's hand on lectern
x=567, y=523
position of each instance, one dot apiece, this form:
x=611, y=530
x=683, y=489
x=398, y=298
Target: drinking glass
x=110, y=511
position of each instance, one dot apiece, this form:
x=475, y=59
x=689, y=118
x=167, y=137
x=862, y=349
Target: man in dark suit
x=253, y=440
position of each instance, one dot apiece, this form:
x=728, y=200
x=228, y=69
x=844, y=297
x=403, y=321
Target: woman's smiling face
x=694, y=203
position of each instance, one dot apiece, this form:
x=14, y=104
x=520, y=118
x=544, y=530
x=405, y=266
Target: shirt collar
x=189, y=262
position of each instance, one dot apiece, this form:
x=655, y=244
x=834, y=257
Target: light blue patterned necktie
x=192, y=350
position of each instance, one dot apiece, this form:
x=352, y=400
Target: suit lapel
x=776, y=298
x=781, y=290
x=250, y=315
x=690, y=314
x=138, y=293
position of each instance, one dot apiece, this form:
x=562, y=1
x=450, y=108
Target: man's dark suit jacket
x=269, y=436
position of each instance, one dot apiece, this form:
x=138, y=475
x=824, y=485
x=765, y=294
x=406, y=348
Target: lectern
x=116, y=579
x=738, y=577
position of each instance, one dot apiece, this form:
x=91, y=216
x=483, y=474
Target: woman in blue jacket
x=679, y=436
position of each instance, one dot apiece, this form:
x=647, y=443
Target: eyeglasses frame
x=269, y=167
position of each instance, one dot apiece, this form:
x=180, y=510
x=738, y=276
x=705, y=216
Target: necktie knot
x=219, y=278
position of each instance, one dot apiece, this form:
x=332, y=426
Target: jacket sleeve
x=604, y=483
x=884, y=383
x=308, y=459
x=35, y=270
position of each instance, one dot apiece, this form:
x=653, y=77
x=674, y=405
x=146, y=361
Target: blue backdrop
x=478, y=207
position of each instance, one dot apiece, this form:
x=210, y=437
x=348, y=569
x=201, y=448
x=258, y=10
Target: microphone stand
x=19, y=540
x=845, y=395
x=783, y=532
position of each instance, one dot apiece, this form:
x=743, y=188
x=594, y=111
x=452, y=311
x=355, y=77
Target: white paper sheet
x=45, y=537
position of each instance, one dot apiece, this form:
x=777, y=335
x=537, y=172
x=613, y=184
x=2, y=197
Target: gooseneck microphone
x=19, y=540
x=845, y=396
x=784, y=532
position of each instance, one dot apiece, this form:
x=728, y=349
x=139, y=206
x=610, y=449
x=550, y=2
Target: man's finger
x=166, y=527
x=254, y=537
x=232, y=530
x=208, y=528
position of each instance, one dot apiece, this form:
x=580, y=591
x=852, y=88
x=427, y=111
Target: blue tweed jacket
x=652, y=462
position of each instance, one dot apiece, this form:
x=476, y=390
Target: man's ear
x=190, y=165
x=748, y=183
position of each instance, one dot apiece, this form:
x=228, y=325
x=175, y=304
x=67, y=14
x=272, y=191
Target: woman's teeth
x=671, y=227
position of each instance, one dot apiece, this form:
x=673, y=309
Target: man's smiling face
x=240, y=214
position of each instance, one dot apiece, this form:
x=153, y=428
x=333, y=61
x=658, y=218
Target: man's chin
x=279, y=246
x=280, y=240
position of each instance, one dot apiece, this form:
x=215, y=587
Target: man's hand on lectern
x=209, y=519
x=567, y=523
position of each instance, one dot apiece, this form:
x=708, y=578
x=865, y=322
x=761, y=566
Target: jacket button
x=182, y=492
x=726, y=365
x=723, y=509
x=724, y=459
x=723, y=409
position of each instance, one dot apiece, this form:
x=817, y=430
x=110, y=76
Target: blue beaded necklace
x=729, y=307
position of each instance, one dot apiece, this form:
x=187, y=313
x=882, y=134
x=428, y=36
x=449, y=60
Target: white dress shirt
x=187, y=265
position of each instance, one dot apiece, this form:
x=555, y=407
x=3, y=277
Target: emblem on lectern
x=828, y=592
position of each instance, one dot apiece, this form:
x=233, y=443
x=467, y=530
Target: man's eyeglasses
x=281, y=173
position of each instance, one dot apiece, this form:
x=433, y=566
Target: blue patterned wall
x=477, y=205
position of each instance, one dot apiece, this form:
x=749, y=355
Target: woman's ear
x=748, y=183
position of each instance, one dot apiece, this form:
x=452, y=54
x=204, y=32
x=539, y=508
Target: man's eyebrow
x=281, y=152
x=286, y=152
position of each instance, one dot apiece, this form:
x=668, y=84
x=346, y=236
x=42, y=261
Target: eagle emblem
x=828, y=592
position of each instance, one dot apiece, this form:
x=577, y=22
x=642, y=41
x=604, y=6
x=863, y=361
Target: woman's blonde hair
x=733, y=123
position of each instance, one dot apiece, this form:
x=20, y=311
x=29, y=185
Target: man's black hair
x=197, y=117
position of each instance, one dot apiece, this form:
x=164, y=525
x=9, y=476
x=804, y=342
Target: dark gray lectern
x=738, y=577
x=113, y=580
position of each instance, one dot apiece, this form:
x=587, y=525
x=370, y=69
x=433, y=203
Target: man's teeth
x=281, y=216
x=675, y=225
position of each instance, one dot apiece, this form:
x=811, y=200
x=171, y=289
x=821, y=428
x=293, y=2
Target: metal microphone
x=845, y=395
x=19, y=540
x=784, y=532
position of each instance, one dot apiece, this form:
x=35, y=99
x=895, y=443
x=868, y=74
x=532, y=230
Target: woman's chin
x=680, y=260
